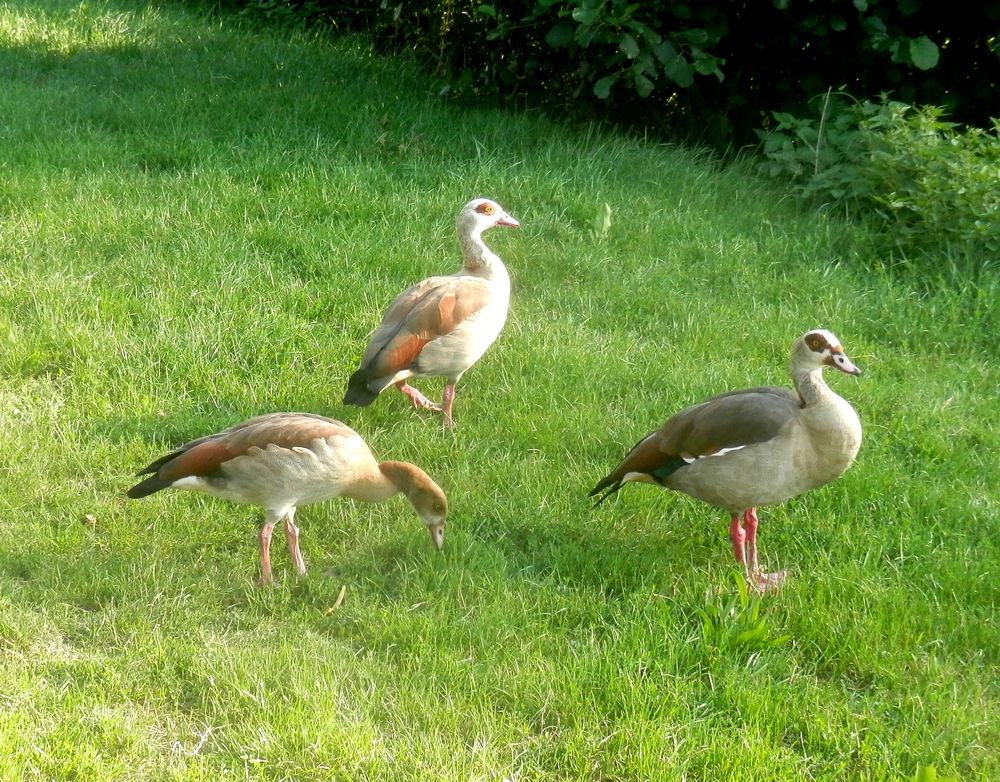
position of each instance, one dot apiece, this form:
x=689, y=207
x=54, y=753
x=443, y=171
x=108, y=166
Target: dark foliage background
x=712, y=71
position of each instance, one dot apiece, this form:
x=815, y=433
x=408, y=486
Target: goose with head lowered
x=758, y=446
x=441, y=326
x=282, y=460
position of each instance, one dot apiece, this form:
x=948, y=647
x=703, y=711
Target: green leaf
x=861, y=5
x=602, y=223
x=650, y=36
x=924, y=53
x=680, y=72
x=643, y=84
x=585, y=15
x=694, y=36
x=742, y=590
x=930, y=774
x=706, y=65
x=675, y=67
x=560, y=35
x=646, y=63
x=629, y=45
x=666, y=52
x=487, y=10
x=602, y=89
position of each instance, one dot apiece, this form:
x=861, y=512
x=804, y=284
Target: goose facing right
x=758, y=446
x=443, y=325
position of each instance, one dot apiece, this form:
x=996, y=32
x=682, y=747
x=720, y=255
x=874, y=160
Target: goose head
x=431, y=506
x=818, y=349
x=481, y=214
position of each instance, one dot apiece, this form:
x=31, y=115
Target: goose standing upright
x=283, y=460
x=440, y=327
x=758, y=446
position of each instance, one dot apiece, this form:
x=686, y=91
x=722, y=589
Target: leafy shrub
x=285, y=14
x=933, y=184
x=823, y=157
x=618, y=41
x=711, y=68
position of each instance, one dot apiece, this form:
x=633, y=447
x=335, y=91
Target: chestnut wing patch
x=420, y=315
x=203, y=459
x=286, y=430
x=647, y=457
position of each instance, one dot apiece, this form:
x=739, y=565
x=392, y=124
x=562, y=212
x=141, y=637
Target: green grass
x=200, y=223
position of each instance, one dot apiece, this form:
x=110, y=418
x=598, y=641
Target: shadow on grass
x=121, y=92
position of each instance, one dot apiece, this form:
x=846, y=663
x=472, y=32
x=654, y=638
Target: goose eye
x=486, y=209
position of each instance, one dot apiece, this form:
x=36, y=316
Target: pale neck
x=398, y=477
x=811, y=386
x=375, y=485
x=477, y=258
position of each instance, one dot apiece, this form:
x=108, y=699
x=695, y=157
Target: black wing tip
x=611, y=486
x=359, y=400
x=151, y=485
x=358, y=392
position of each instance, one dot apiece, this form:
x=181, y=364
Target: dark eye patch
x=816, y=343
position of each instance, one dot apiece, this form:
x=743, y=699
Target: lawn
x=201, y=221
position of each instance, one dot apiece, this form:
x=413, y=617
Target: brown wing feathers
x=647, y=457
x=206, y=455
x=730, y=420
x=418, y=316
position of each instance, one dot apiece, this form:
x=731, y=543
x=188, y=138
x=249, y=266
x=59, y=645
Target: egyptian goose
x=759, y=446
x=283, y=460
x=442, y=326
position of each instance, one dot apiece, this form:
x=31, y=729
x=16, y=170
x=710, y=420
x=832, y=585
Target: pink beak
x=437, y=535
x=843, y=363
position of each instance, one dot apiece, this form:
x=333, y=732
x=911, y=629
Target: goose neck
x=397, y=477
x=811, y=386
x=477, y=258
x=375, y=486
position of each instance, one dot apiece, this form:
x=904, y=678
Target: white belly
x=451, y=355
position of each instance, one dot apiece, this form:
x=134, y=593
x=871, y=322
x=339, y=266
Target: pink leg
x=750, y=525
x=739, y=537
x=449, y=399
x=764, y=582
x=416, y=398
x=265, y=550
x=292, y=539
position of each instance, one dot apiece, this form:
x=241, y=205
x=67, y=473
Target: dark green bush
x=934, y=185
x=715, y=69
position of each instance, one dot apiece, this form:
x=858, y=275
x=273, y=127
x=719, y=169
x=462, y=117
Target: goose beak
x=508, y=221
x=437, y=534
x=843, y=363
